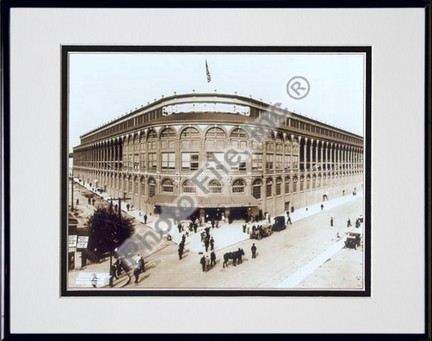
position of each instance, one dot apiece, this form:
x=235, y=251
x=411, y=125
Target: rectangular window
x=287, y=162
x=190, y=161
x=278, y=161
x=142, y=161
x=295, y=159
x=238, y=162
x=168, y=161
x=270, y=146
x=136, y=162
x=215, y=160
x=269, y=161
x=256, y=145
x=152, y=161
x=257, y=161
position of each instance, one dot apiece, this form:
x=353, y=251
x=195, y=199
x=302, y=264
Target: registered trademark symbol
x=298, y=87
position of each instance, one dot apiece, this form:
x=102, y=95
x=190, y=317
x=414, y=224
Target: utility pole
x=72, y=197
x=111, y=253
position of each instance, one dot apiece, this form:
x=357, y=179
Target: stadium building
x=234, y=156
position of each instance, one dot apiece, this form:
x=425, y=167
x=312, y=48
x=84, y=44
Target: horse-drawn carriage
x=261, y=230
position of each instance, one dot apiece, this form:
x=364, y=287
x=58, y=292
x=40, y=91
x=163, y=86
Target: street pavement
x=227, y=237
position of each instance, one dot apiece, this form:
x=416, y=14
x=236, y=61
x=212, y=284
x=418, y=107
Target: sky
x=104, y=86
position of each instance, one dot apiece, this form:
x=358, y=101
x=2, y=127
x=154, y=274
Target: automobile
x=353, y=240
x=260, y=231
x=279, y=223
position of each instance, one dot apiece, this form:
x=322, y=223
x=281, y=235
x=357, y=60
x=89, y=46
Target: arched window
x=238, y=186
x=215, y=186
x=278, y=186
x=152, y=187
x=189, y=187
x=167, y=133
x=269, y=184
x=287, y=183
x=314, y=181
x=142, y=181
x=239, y=139
x=256, y=188
x=142, y=142
x=136, y=183
x=215, y=138
x=295, y=179
x=167, y=186
x=190, y=138
x=152, y=140
x=168, y=138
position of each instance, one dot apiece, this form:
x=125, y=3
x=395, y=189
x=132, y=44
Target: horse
x=235, y=256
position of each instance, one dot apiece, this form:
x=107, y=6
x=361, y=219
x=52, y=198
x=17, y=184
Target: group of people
x=208, y=262
x=349, y=223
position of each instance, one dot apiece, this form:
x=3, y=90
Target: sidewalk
x=226, y=236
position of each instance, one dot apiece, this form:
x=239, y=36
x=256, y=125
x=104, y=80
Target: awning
x=207, y=201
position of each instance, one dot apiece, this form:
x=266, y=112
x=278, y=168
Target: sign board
x=72, y=240
x=82, y=242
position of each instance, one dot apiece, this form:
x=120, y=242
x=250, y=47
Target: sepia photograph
x=215, y=171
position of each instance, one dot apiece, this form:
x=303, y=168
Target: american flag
x=208, y=73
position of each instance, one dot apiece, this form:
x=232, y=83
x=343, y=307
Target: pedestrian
x=94, y=280
x=127, y=207
x=331, y=221
x=239, y=256
x=253, y=249
x=114, y=271
x=180, y=227
x=207, y=260
x=207, y=230
x=357, y=224
x=244, y=228
x=183, y=239
x=211, y=244
x=212, y=258
x=289, y=220
x=212, y=223
x=322, y=207
x=206, y=243
x=195, y=227
x=136, y=273
x=349, y=222
x=119, y=266
x=180, y=251
x=140, y=263
x=223, y=217
x=203, y=263
x=145, y=218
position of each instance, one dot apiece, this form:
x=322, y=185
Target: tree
x=107, y=230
